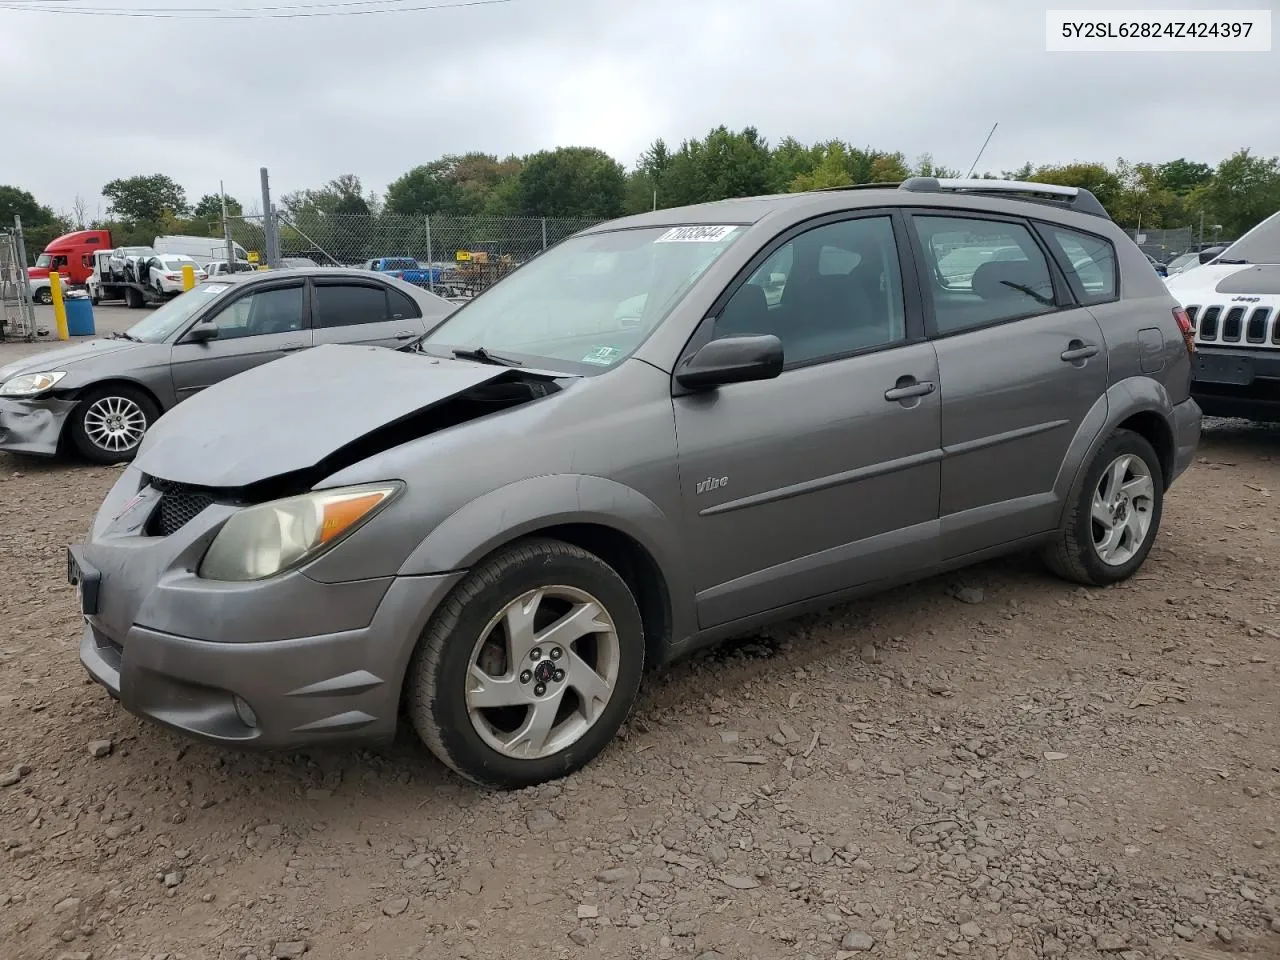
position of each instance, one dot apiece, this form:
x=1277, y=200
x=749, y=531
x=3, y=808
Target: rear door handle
x=908, y=388
x=1079, y=350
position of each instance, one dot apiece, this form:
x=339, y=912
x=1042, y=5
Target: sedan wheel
x=110, y=423
x=529, y=667
x=1122, y=509
x=43, y=295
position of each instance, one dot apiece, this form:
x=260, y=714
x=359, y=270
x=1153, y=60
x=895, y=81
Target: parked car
x=1182, y=262
x=502, y=525
x=123, y=264
x=407, y=269
x=1232, y=296
x=102, y=396
x=164, y=274
x=1157, y=265
x=297, y=263
x=220, y=268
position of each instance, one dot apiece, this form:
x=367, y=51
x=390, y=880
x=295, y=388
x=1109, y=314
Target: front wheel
x=43, y=295
x=529, y=667
x=1113, y=523
x=110, y=422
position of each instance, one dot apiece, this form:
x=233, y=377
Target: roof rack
x=1075, y=198
x=861, y=186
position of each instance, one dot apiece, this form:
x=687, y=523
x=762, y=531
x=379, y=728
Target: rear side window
x=982, y=272
x=402, y=306
x=1088, y=261
x=344, y=305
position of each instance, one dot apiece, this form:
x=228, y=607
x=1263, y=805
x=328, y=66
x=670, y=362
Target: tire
x=133, y=298
x=1074, y=554
x=439, y=683
x=96, y=296
x=94, y=414
x=43, y=295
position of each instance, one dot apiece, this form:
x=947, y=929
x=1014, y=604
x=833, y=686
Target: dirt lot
x=993, y=765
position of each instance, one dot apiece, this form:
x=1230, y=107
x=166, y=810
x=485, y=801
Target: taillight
x=1188, y=331
x=171, y=276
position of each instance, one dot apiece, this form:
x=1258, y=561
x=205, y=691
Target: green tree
x=792, y=159
x=209, y=207
x=1182, y=175
x=571, y=182
x=39, y=223
x=425, y=190
x=722, y=165
x=925, y=167
x=145, y=199
x=1244, y=191
x=832, y=170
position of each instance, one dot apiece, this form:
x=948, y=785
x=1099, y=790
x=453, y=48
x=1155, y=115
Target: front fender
x=1122, y=400
x=526, y=506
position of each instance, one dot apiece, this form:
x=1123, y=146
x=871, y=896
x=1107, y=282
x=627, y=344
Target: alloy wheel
x=115, y=424
x=1122, y=510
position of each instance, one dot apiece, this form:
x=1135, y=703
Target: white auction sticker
x=699, y=234
x=1158, y=31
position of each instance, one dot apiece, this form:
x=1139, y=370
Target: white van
x=199, y=249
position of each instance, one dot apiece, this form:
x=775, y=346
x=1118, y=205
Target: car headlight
x=270, y=538
x=30, y=384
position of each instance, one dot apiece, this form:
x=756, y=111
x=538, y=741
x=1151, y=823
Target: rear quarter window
x=1088, y=261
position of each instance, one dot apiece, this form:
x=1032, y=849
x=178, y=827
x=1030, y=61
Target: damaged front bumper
x=33, y=426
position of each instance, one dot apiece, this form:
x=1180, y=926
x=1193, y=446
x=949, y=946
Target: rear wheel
x=133, y=298
x=1113, y=523
x=110, y=422
x=529, y=667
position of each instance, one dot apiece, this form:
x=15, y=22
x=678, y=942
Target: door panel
x=816, y=482
x=263, y=325
x=362, y=312
x=827, y=476
x=1020, y=369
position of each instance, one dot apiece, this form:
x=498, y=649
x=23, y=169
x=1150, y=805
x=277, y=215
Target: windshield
x=169, y=318
x=589, y=301
x=137, y=251
x=1259, y=245
x=44, y=260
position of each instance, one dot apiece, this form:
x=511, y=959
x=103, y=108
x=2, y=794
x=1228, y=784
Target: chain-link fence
x=1165, y=244
x=456, y=256
x=17, y=314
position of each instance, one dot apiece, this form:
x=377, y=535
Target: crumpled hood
x=60, y=358
x=292, y=413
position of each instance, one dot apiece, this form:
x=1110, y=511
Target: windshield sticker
x=604, y=356
x=699, y=234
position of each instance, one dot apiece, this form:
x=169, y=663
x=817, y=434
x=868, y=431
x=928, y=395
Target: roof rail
x=887, y=185
x=1075, y=198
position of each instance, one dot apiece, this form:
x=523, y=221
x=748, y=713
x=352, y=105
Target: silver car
x=101, y=397
x=627, y=449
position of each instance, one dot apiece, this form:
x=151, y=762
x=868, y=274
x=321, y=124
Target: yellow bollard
x=188, y=276
x=59, y=308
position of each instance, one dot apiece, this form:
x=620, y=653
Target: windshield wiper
x=484, y=356
x=1233, y=262
x=125, y=336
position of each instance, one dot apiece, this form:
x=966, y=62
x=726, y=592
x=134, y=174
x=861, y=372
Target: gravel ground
x=993, y=764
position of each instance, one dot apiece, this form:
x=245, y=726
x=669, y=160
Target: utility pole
x=269, y=222
x=226, y=228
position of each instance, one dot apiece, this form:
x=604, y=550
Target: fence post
x=544, y=234
x=431, y=260
x=24, y=291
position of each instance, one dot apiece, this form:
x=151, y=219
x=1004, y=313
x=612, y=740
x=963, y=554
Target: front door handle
x=908, y=388
x=405, y=335
x=1079, y=350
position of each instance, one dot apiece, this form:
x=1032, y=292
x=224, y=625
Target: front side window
x=344, y=305
x=263, y=312
x=1088, y=261
x=589, y=301
x=982, y=272
x=830, y=291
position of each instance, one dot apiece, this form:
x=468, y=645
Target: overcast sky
x=96, y=98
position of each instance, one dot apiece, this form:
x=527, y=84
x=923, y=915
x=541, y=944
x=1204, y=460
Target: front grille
x=180, y=503
x=1224, y=323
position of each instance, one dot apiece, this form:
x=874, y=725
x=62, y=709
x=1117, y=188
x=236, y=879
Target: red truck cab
x=71, y=255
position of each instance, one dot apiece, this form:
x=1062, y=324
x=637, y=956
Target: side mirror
x=732, y=360
x=1210, y=253
x=202, y=332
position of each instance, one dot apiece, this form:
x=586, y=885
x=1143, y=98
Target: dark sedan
x=102, y=396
